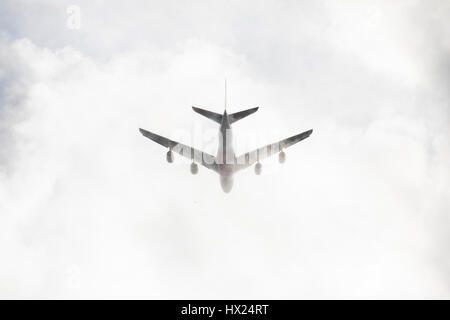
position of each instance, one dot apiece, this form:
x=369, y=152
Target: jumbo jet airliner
x=226, y=163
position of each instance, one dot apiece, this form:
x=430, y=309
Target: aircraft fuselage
x=225, y=154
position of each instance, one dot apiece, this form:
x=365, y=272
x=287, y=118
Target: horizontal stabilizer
x=209, y=114
x=241, y=114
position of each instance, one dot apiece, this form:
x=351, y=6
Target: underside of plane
x=226, y=163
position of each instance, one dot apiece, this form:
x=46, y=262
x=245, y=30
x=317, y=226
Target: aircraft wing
x=197, y=156
x=249, y=158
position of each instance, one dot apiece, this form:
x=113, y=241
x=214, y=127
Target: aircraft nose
x=226, y=189
x=226, y=184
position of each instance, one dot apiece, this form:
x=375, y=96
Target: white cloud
x=89, y=208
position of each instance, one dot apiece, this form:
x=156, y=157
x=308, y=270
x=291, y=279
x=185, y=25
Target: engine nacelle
x=194, y=168
x=258, y=168
x=282, y=157
x=169, y=156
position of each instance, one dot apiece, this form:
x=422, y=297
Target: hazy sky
x=90, y=209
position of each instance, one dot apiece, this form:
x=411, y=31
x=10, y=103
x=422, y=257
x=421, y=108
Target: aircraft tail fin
x=241, y=114
x=209, y=114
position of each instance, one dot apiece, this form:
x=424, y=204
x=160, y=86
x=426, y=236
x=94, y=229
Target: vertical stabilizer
x=225, y=94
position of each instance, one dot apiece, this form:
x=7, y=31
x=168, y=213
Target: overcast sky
x=90, y=209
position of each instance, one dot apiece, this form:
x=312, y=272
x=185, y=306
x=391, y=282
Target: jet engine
x=169, y=156
x=258, y=168
x=194, y=168
x=282, y=157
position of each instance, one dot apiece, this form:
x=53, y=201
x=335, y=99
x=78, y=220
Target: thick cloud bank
x=90, y=209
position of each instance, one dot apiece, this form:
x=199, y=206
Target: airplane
x=226, y=164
